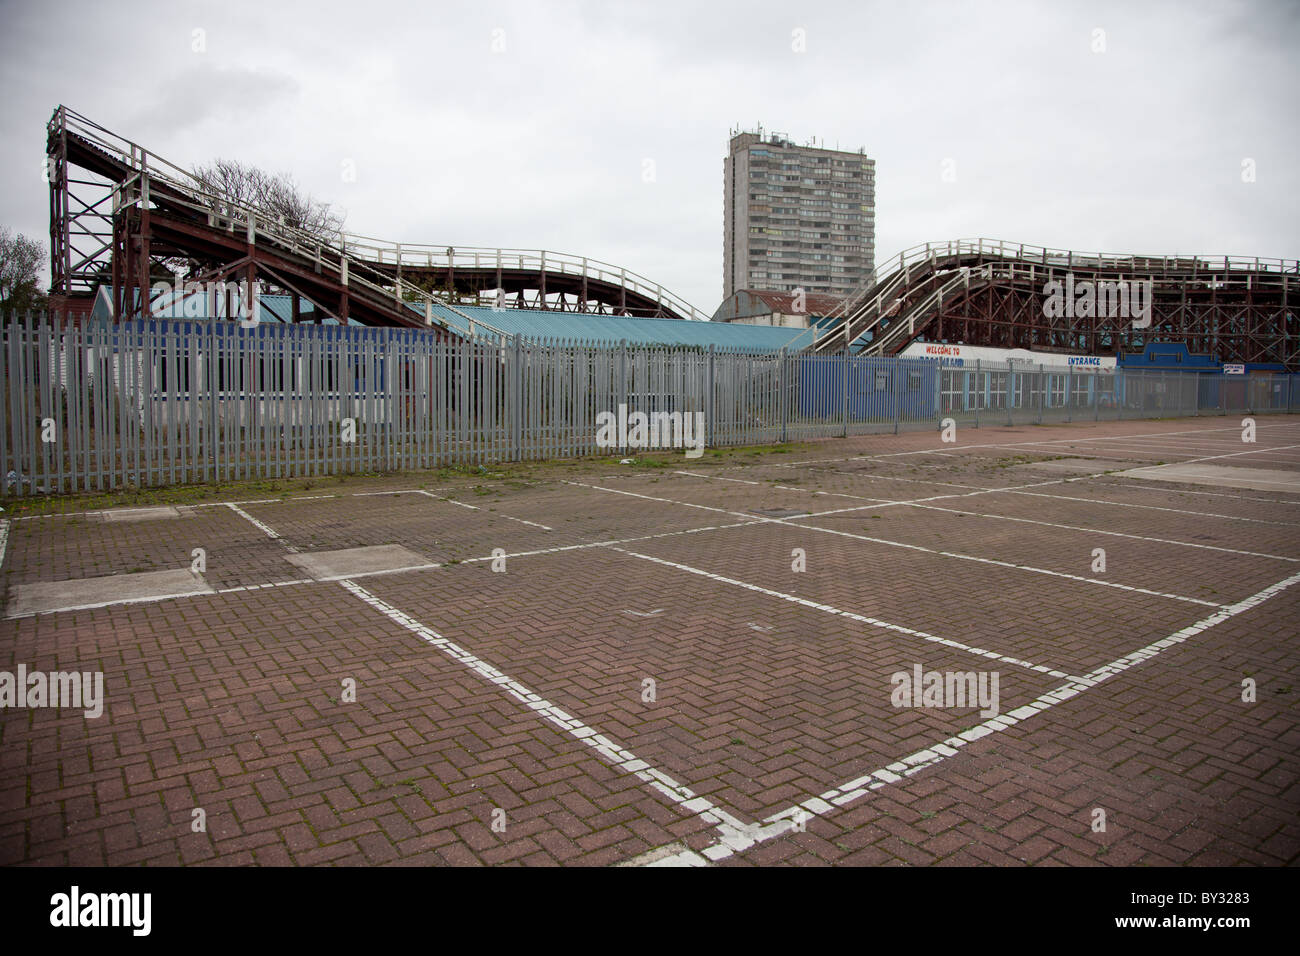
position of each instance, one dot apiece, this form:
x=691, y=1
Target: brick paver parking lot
x=678, y=661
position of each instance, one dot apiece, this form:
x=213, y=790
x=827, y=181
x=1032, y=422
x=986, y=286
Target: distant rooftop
x=773, y=138
x=606, y=329
x=747, y=302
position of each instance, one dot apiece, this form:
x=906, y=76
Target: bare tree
x=300, y=210
x=20, y=264
x=274, y=195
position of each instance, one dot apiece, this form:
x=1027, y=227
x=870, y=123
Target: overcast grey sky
x=542, y=144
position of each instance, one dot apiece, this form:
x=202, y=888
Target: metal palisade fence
x=100, y=406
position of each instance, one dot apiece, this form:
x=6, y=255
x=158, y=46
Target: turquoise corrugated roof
x=585, y=326
x=566, y=326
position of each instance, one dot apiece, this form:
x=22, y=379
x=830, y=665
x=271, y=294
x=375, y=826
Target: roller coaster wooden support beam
x=146, y=244
x=56, y=171
x=1245, y=330
x=124, y=247
x=981, y=293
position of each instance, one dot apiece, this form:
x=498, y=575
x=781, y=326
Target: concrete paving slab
x=141, y=514
x=41, y=597
x=1223, y=476
x=356, y=562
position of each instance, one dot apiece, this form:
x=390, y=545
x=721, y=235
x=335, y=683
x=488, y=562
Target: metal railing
x=189, y=192
x=363, y=253
x=881, y=294
x=101, y=406
x=487, y=258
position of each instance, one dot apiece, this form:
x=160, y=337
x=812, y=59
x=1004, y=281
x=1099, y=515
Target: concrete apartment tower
x=796, y=216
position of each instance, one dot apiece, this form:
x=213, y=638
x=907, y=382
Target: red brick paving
x=230, y=702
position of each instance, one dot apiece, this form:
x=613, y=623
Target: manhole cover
x=776, y=512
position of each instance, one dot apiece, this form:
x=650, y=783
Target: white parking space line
x=969, y=494
x=1180, y=443
x=604, y=544
x=458, y=504
x=265, y=587
x=794, y=523
x=261, y=526
x=1120, y=453
x=263, y=501
x=533, y=524
x=387, y=571
x=877, y=502
x=785, y=821
x=1113, y=534
x=1055, y=441
x=1126, y=484
x=871, y=476
x=1186, y=431
x=855, y=474
x=495, y=514
x=765, y=484
x=1178, y=511
x=732, y=832
x=1129, y=484
x=4, y=539
x=670, y=501
x=1008, y=564
x=1186, y=446
x=1274, y=454
x=921, y=503
x=185, y=509
x=1283, y=463
x=874, y=622
x=1253, y=451
x=190, y=507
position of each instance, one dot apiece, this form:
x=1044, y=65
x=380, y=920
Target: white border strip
x=264, y=528
x=874, y=622
x=497, y=514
